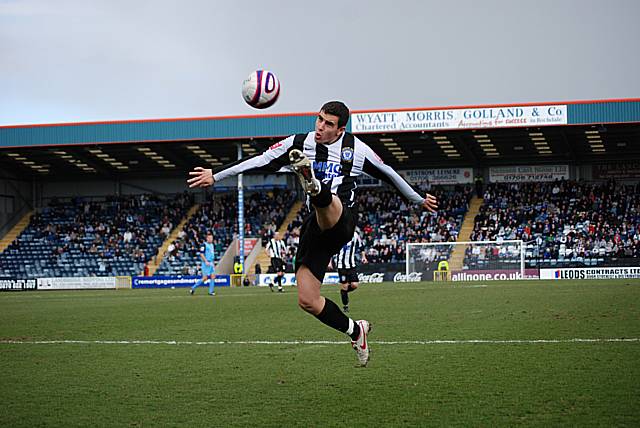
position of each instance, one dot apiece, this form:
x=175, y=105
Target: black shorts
x=348, y=275
x=317, y=247
x=277, y=264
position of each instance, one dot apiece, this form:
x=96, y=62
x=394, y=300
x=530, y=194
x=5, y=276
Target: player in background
x=277, y=250
x=345, y=263
x=336, y=158
x=206, y=265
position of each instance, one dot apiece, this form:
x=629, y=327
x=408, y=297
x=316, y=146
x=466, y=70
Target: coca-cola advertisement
x=403, y=277
x=389, y=272
x=378, y=277
x=369, y=278
x=396, y=272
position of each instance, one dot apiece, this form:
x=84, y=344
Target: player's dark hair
x=337, y=108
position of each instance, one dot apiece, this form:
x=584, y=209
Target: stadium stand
x=292, y=236
x=264, y=211
x=564, y=223
x=218, y=214
x=93, y=237
x=387, y=221
x=290, y=231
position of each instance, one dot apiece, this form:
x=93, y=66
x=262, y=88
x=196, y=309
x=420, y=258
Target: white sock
x=351, y=327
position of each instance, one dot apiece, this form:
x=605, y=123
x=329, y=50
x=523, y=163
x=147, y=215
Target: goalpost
x=466, y=261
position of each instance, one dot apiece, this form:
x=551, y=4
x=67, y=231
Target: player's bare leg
x=309, y=298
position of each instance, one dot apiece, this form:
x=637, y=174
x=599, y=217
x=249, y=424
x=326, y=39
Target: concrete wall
x=16, y=198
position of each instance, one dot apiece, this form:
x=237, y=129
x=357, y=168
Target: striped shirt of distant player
x=277, y=248
x=347, y=255
x=328, y=161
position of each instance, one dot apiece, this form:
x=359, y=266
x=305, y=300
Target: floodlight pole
x=240, y=214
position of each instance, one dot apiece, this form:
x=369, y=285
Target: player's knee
x=307, y=303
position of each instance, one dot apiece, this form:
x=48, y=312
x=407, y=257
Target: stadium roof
x=478, y=136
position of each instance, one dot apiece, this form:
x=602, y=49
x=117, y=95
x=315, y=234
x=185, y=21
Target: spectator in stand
x=146, y=269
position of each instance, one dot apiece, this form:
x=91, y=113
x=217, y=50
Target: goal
x=466, y=261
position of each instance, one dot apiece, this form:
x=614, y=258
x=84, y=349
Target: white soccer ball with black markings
x=261, y=89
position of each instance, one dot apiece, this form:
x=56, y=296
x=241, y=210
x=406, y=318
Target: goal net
x=466, y=261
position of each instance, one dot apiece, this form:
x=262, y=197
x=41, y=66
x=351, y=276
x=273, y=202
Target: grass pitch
x=442, y=354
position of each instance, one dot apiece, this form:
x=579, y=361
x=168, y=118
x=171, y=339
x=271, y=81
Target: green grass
x=231, y=384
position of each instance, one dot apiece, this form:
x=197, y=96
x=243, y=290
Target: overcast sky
x=84, y=60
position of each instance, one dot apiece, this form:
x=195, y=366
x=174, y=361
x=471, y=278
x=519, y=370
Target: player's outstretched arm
x=272, y=159
x=200, y=177
x=430, y=203
x=375, y=167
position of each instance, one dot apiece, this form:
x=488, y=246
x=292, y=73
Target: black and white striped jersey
x=346, y=258
x=277, y=248
x=337, y=164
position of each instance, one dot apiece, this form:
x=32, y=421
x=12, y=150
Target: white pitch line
x=318, y=342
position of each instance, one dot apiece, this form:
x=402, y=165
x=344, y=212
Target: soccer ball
x=261, y=89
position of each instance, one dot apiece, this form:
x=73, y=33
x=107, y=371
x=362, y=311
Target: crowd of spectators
x=291, y=237
x=387, y=221
x=561, y=222
x=564, y=221
x=84, y=237
x=264, y=212
x=218, y=214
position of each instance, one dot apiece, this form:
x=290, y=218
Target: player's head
x=276, y=235
x=209, y=237
x=331, y=122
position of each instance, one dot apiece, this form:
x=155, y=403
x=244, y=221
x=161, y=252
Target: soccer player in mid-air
x=206, y=265
x=345, y=262
x=327, y=162
x=277, y=250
